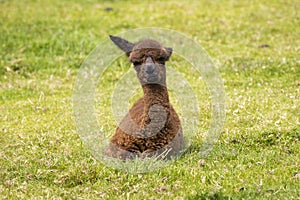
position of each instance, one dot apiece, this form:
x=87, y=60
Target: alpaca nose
x=150, y=66
x=150, y=69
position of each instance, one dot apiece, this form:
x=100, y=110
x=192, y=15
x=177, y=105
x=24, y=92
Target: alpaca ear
x=123, y=44
x=170, y=51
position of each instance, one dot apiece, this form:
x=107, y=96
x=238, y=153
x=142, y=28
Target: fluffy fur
x=152, y=126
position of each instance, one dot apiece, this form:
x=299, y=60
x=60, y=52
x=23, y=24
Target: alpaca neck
x=155, y=94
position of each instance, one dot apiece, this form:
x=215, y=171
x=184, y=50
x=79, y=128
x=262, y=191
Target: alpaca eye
x=161, y=58
x=136, y=63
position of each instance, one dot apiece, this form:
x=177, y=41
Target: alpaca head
x=148, y=57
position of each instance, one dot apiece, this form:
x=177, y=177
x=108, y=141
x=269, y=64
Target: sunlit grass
x=255, y=47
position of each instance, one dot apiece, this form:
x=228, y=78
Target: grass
x=42, y=45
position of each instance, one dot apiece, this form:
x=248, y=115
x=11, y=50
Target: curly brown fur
x=152, y=126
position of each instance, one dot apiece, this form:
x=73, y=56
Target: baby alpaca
x=151, y=127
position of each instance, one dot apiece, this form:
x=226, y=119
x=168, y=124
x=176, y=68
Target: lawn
x=255, y=46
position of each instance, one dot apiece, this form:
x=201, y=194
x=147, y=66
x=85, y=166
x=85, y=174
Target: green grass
x=42, y=45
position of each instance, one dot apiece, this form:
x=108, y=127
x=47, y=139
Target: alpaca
x=152, y=126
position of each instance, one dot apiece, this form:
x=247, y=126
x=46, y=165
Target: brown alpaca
x=151, y=127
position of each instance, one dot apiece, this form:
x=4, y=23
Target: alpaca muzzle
x=151, y=73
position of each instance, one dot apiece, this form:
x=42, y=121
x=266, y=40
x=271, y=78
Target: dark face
x=148, y=57
x=150, y=65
